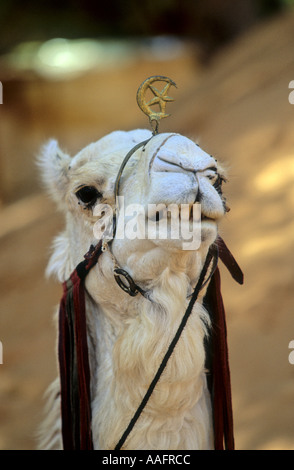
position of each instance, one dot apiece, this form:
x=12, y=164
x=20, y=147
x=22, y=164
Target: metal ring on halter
x=131, y=289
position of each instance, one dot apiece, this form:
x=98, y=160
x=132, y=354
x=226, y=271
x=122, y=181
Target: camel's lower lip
x=204, y=218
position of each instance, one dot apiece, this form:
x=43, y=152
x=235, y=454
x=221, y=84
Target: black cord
x=169, y=352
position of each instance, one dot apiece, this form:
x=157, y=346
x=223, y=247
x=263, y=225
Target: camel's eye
x=211, y=174
x=88, y=195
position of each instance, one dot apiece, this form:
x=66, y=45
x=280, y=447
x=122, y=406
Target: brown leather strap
x=220, y=373
x=229, y=261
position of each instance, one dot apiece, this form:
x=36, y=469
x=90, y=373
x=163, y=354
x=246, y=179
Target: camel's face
x=169, y=170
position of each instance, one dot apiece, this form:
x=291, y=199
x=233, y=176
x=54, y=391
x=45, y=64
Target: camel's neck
x=128, y=344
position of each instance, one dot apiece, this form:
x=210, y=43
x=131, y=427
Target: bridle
x=121, y=276
x=128, y=285
x=73, y=348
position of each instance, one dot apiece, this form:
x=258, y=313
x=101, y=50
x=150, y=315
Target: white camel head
x=170, y=169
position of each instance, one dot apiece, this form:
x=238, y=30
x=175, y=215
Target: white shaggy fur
x=128, y=336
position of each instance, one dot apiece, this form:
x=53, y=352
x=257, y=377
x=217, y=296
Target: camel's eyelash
x=218, y=183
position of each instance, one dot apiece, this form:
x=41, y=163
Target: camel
x=128, y=335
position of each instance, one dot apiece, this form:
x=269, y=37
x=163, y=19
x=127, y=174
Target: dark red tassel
x=73, y=359
x=220, y=373
x=221, y=384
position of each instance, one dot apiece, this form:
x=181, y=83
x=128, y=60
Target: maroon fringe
x=220, y=373
x=74, y=360
x=221, y=383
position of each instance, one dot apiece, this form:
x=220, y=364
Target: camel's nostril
x=198, y=196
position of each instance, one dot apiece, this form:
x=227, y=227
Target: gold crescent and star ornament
x=160, y=97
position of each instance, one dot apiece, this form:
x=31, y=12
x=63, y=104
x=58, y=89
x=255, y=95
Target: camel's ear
x=54, y=164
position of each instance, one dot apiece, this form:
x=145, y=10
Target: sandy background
x=238, y=107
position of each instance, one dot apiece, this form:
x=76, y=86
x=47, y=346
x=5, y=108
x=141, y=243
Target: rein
x=199, y=286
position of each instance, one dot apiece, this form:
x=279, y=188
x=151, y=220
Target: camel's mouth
x=205, y=218
x=182, y=212
x=183, y=226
